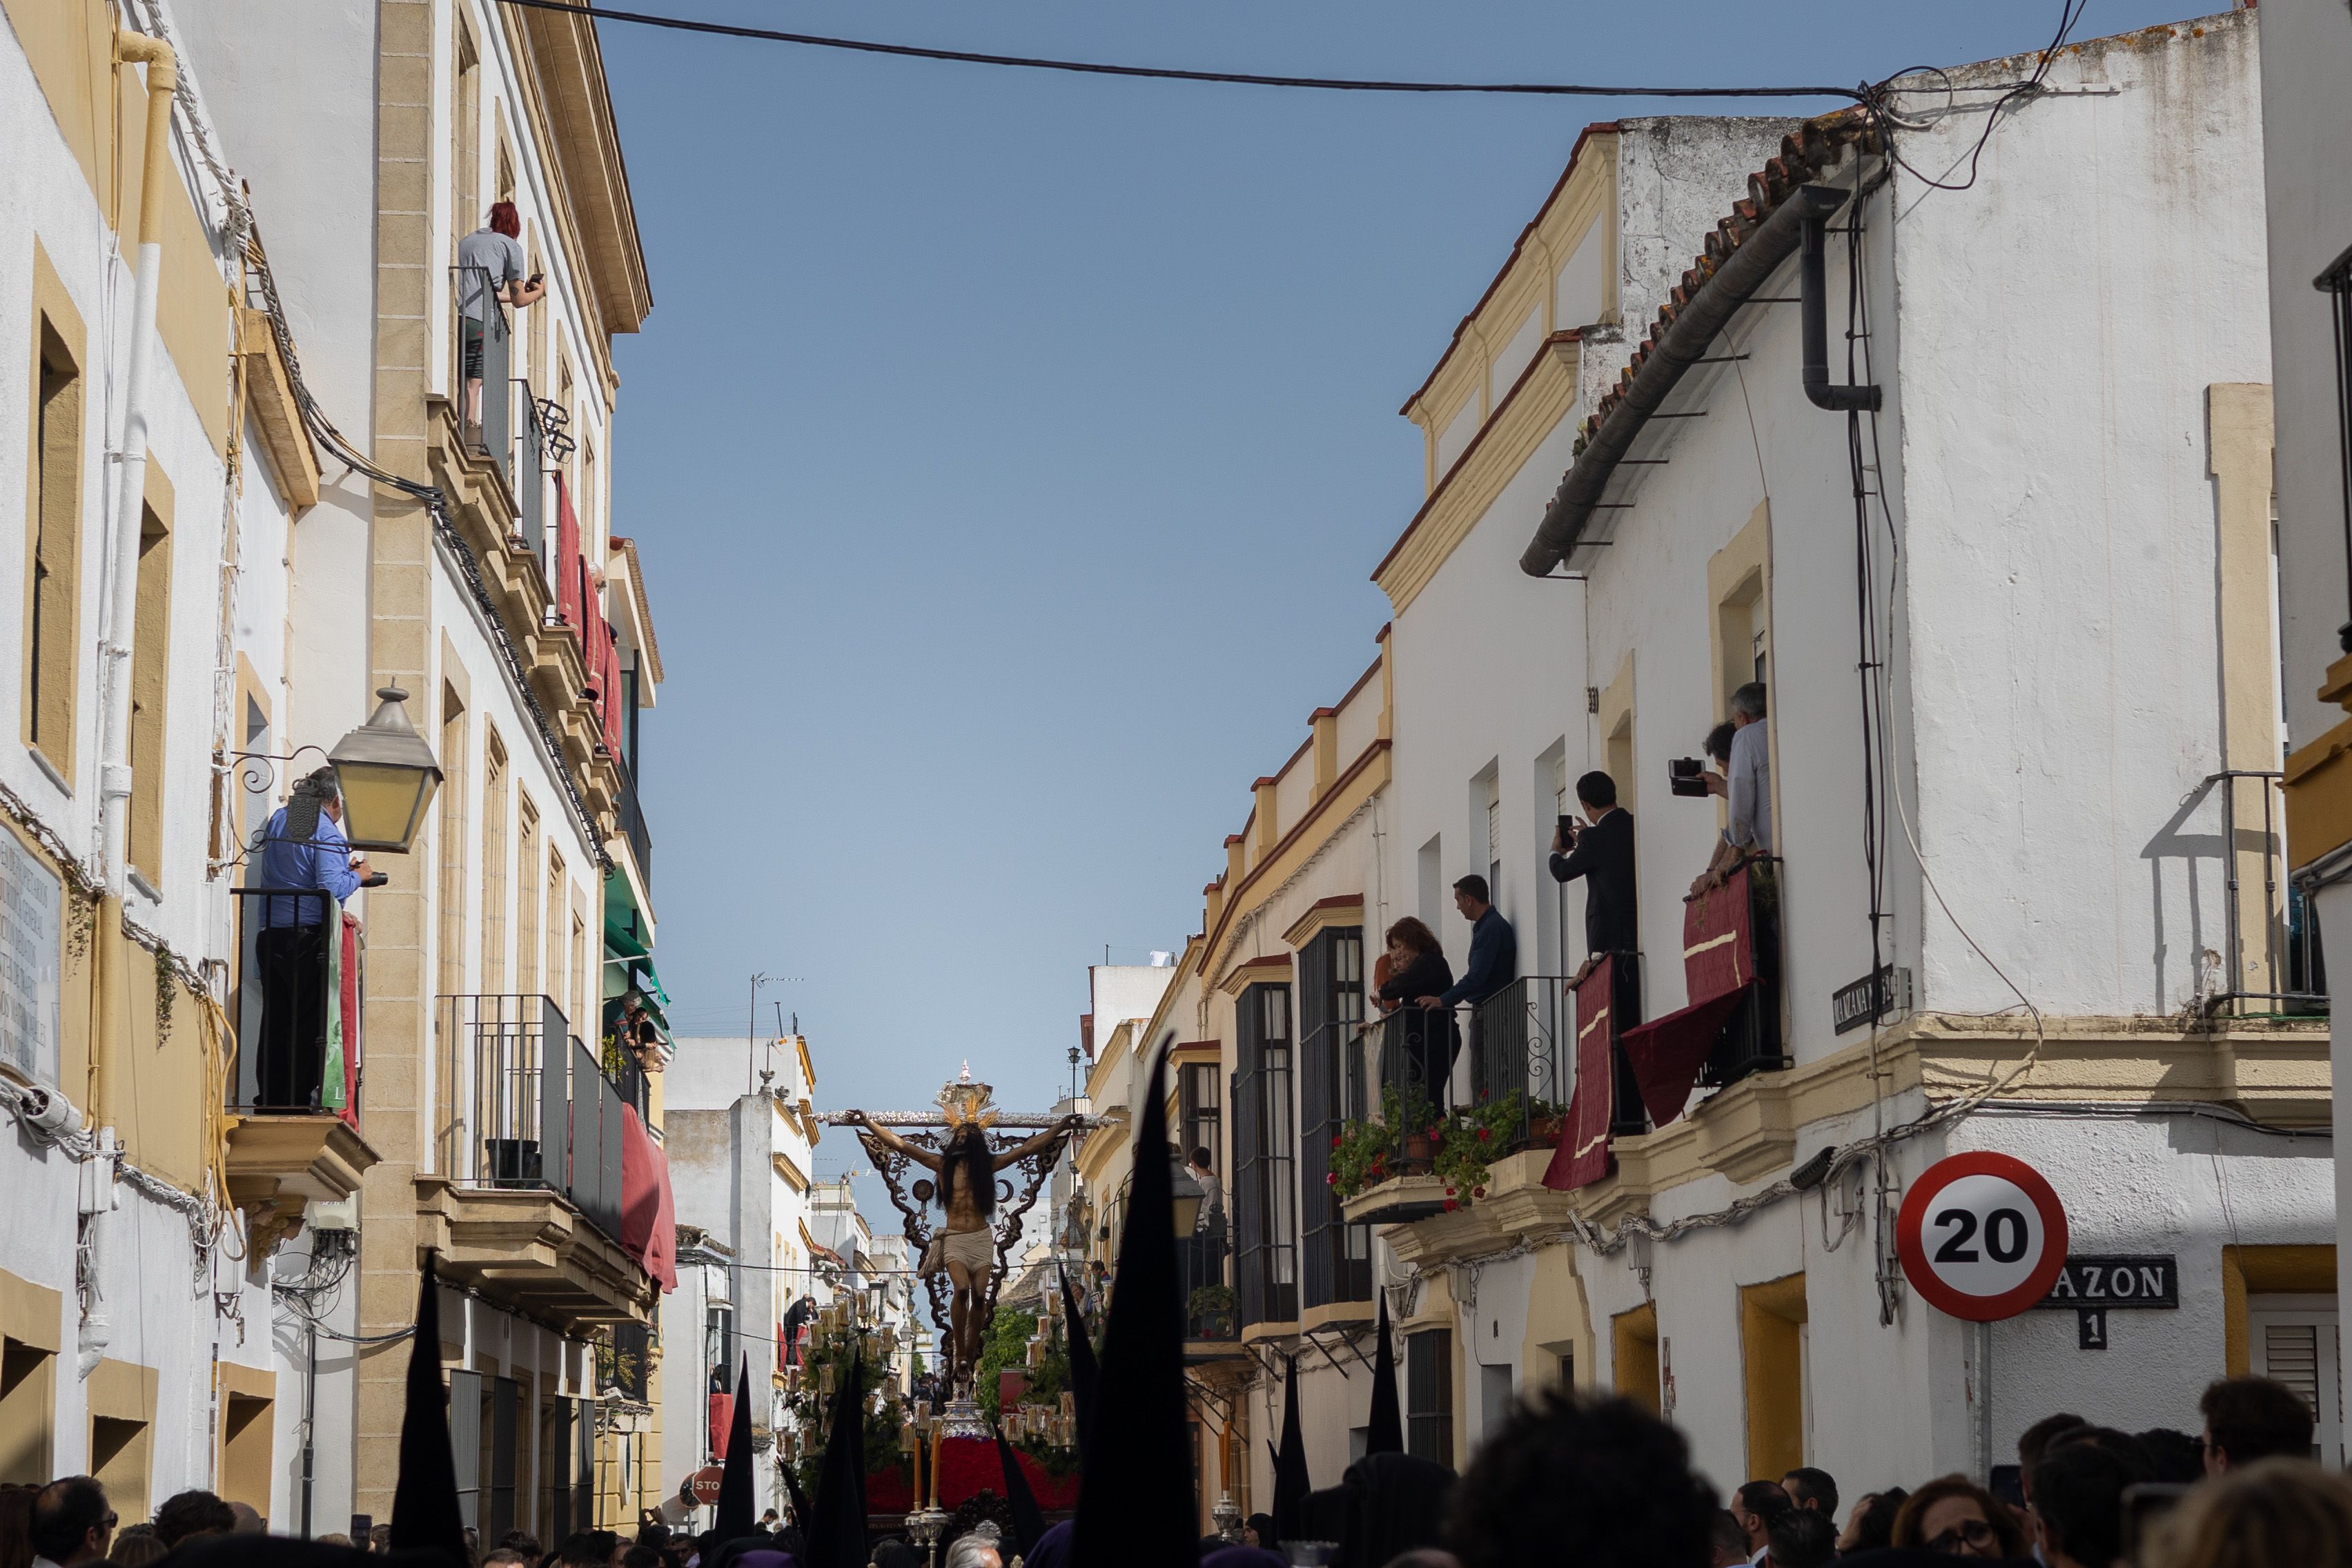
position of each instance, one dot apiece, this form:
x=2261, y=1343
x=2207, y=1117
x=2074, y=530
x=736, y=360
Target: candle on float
x=938, y=1434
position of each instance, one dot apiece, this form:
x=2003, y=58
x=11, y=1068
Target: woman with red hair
x=491, y=267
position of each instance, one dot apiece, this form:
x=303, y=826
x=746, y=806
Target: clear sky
x=1008, y=453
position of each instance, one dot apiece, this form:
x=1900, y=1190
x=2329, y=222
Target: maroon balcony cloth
x=722, y=1418
x=648, y=1219
x=1666, y=1053
x=570, y=571
x=1718, y=942
x=1583, y=1156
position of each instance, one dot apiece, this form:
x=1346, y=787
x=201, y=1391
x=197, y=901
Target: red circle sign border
x=1914, y=1216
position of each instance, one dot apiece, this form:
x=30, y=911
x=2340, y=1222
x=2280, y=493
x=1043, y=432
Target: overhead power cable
x=1170, y=73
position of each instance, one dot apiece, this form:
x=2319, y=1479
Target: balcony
x=1211, y=1315
x=630, y=818
x=529, y=1179
x=294, y=1093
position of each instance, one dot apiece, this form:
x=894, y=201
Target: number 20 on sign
x=1981, y=1236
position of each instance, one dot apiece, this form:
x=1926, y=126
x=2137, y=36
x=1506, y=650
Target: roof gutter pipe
x=1694, y=327
x=1814, y=290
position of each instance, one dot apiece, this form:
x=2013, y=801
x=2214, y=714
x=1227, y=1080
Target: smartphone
x=1686, y=775
x=2007, y=1485
x=1569, y=829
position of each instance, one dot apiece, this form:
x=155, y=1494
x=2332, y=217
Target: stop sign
x=706, y=1483
x=1981, y=1236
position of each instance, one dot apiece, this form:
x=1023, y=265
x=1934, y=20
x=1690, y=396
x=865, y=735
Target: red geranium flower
x=1450, y=1206
x=1478, y=1191
x=1449, y=1192
x=1333, y=1179
x=1485, y=1133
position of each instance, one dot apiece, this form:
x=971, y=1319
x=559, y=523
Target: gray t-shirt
x=486, y=252
x=1751, y=789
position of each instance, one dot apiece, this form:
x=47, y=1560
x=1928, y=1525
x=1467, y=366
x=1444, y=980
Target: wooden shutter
x=465, y=1442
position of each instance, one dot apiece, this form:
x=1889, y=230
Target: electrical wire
x=2070, y=14
x=1167, y=73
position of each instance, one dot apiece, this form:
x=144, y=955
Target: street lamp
x=1187, y=1195
x=387, y=777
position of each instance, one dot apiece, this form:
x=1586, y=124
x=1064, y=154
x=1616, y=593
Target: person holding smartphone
x=1601, y=854
x=491, y=268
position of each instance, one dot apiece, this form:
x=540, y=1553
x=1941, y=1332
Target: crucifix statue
x=969, y=1245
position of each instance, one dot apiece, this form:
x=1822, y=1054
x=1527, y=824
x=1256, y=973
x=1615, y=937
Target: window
x=558, y=974
x=2295, y=1340
x=1429, y=1395
x=1266, y=1164
x=450, y=801
x=1493, y=844
x=527, y=981
x=53, y=564
x=31, y=915
x=1432, y=876
x=151, y=664
x=1338, y=1265
x=1772, y=1356
x=29, y=1402
x=1198, y=1113
x=494, y=863
x=583, y=977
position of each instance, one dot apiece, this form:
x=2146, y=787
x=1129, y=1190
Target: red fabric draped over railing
x=570, y=568
x=1718, y=968
x=350, y=1003
x=1583, y=1156
x=722, y=1422
x=649, y=1220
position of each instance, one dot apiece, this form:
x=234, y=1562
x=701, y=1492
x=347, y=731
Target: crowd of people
x=1568, y=1479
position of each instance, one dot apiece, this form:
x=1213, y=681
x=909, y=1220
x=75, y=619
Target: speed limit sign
x=1981, y=1236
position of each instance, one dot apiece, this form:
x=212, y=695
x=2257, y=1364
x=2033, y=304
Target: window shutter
x=465, y=1443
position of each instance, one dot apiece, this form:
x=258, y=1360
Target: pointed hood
x=1083, y=1373
x=735, y=1501
x=424, y=1514
x=1135, y=1508
x=836, y=1528
x=1290, y=1483
x=1028, y=1519
x=1385, y=1433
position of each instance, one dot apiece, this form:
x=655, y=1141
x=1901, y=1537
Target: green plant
x=1214, y=1303
x=1365, y=1153
x=1006, y=1348
x=165, y=990
x=1469, y=1138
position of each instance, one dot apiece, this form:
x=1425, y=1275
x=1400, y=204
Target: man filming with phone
x=1748, y=785
x=1602, y=854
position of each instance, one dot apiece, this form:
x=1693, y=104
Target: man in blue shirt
x=303, y=848
x=1494, y=956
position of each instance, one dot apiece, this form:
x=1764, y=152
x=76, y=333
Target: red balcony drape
x=1718, y=968
x=722, y=1422
x=350, y=1003
x=648, y=1219
x=1583, y=1156
x=569, y=567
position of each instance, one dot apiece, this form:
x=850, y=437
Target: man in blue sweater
x=303, y=849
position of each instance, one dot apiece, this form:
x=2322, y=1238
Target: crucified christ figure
x=966, y=1245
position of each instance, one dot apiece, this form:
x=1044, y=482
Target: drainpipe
x=123, y=586
x=1813, y=288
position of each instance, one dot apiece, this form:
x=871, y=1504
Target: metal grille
x=1337, y=1264
x=1518, y=1045
x=1266, y=1191
x=1429, y=1395
x=532, y=1107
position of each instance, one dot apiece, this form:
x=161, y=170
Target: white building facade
x=2049, y=821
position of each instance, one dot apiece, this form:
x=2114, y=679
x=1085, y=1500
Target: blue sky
x=1008, y=453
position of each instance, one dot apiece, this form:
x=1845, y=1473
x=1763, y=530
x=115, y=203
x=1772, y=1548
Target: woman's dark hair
x=967, y=1162
x=1876, y=1527
x=1909, y=1517
x=1413, y=936
x=1718, y=740
x=1602, y=1473
x=505, y=220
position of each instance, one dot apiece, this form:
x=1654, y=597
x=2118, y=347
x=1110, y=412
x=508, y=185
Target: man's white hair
x=973, y=1548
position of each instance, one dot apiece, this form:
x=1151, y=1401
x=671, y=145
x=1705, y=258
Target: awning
x=1667, y=1053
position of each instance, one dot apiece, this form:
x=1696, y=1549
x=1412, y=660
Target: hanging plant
x=167, y=993
x=1470, y=1139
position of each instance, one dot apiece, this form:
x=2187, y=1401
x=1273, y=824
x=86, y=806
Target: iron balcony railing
x=1210, y=1306
x=2276, y=969
x=1751, y=1041
x=2335, y=282
x=286, y=1003
x=485, y=353
x=632, y=814
x=527, y=1105
x=1518, y=1043
x=1414, y=1051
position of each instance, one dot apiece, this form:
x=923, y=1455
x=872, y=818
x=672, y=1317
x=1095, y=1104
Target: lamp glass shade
x=388, y=774
x=1188, y=1195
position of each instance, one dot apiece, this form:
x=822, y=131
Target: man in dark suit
x=1493, y=947
x=1602, y=854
